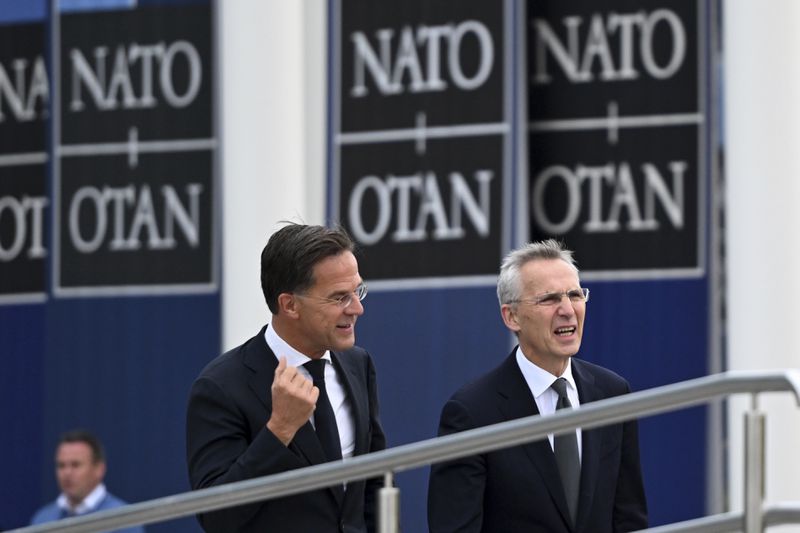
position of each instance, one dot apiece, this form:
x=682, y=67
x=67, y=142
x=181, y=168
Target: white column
x=761, y=82
x=272, y=125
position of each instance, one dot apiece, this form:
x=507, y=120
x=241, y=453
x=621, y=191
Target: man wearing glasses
x=299, y=393
x=584, y=481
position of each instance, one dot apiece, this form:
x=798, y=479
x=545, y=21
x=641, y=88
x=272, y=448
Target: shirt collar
x=539, y=379
x=281, y=348
x=90, y=502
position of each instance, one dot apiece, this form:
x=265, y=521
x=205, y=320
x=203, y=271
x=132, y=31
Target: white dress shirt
x=539, y=382
x=89, y=503
x=345, y=421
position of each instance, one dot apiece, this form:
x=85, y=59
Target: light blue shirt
x=97, y=500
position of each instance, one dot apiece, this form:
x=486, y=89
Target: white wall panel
x=762, y=166
x=272, y=124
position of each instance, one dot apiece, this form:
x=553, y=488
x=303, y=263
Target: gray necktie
x=565, y=448
x=324, y=419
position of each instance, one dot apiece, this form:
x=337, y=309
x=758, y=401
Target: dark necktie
x=565, y=448
x=324, y=419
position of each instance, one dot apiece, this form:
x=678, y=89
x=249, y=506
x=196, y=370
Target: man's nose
x=355, y=307
x=565, y=307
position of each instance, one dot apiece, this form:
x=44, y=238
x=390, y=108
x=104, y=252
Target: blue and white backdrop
x=459, y=130
x=454, y=132
x=108, y=237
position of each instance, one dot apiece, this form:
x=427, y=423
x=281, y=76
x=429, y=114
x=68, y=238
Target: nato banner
x=422, y=130
x=617, y=145
x=135, y=189
x=109, y=292
x=424, y=160
x=620, y=168
x=459, y=130
x=24, y=101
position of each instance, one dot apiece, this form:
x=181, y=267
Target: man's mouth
x=565, y=331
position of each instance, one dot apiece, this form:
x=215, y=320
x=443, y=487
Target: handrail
x=774, y=515
x=474, y=441
x=720, y=523
x=782, y=513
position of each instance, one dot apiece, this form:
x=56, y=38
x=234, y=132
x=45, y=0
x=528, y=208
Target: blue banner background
x=653, y=330
x=120, y=366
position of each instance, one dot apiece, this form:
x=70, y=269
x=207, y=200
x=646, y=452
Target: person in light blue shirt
x=80, y=469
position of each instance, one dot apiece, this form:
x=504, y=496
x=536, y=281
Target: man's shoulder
x=356, y=358
x=596, y=370
x=602, y=376
x=232, y=361
x=355, y=353
x=487, y=383
x=46, y=513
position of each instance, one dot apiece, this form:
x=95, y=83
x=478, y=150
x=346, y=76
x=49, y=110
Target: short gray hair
x=509, y=285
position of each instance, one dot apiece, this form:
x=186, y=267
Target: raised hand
x=293, y=400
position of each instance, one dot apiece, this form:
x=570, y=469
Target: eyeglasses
x=554, y=298
x=344, y=301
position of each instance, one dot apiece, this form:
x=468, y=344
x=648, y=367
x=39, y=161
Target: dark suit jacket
x=519, y=489
x=226, y=440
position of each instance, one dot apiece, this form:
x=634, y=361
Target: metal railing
x=388, y=462
x=773, y=515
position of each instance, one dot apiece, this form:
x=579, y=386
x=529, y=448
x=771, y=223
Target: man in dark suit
x=586, y=481
x=257, y=410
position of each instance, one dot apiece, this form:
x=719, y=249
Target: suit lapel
x=262, y=363
x=590, y=441
x=354, y=389
x=260, y=359
x=518, y=402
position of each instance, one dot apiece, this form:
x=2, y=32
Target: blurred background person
x=80, y=469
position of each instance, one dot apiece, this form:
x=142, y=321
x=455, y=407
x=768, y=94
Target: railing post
x=388, y=506
x=754, y=423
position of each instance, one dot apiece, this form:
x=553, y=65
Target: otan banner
x=109, y=237
x=134, y=186
x=422, y=160
x=617, y=147
x=459, y=130
x=620, y=101
x=24, y=100
x=424, y=152
x=24, y=238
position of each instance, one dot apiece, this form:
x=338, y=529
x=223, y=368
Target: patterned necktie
x=324, y=419
x=565, y=448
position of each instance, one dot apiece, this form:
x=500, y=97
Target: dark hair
x=81, y=435
x=288, y=259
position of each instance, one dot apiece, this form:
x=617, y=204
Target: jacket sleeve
x=221, y=449
x=455, y=488
x=630, y=504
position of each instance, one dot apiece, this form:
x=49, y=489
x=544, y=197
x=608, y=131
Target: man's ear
x=100, y=471
x=510, y=317
x=288, y=305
